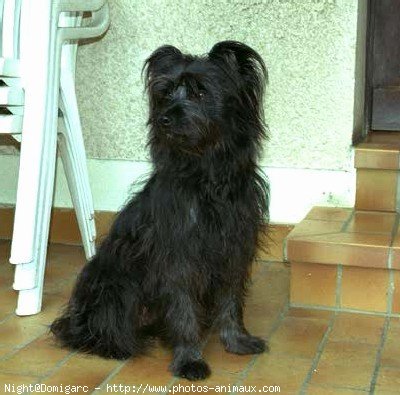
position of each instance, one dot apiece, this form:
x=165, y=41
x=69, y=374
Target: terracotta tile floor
x=312, y=352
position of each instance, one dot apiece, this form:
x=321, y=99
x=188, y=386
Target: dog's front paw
x=192, y=370
x=246, y=345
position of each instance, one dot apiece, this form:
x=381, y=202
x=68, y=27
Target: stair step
x=345, y=288
x=346, y=237
x=380, y=150
x=377, y=161
x=345, y=260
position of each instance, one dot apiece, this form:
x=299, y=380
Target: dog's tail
x=102, y=316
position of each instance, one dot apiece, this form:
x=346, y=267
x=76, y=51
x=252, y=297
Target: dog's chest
x=192, y=216
x=197, y=209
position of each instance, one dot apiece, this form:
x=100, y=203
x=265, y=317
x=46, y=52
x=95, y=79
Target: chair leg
x=73, y=151
x=71, y=115
x=75, y=182
x=30, y=300
x=74, y=131
x=38, y=155
x=35, y=70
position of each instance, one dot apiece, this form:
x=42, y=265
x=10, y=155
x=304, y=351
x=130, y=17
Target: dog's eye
x=202, y=94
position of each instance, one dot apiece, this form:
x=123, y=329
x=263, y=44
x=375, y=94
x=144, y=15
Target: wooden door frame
x=369, y=66
x=362, y=88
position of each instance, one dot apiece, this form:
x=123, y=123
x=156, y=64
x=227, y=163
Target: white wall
x=293, y=191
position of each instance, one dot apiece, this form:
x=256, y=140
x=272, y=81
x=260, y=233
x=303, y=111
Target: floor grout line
x=57, y=366
x=318, y=355
x=307, y=236
x=338, y=296
x=285, y=248
x=270, y=262
x=393, y=236
x=391, y=285
x=397, y=197
x=111, y=375
x=19, y=347
x=7, y=318
x=340, y=387
x=379, y=356
x=390, y=292
x=348, y=220
x=13, y=373
x=344, y=310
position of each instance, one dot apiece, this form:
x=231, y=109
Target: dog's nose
x=165, y=121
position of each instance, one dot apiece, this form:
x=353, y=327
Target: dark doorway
x=384, y=68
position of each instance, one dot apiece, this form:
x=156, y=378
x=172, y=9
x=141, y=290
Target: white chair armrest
x=99, y=24
x=80, y=5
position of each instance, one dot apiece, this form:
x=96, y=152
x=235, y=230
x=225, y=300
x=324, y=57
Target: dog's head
x=200, y=101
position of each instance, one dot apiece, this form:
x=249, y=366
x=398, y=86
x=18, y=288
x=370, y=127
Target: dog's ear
x=160, y=60
x=240, y=58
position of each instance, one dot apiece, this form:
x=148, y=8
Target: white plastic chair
x=72, y=153
x=40, y=70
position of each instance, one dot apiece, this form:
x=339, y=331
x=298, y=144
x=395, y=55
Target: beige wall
x=308, y=45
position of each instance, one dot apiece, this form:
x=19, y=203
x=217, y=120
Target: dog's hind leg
x=102, y=316
x=182, y=321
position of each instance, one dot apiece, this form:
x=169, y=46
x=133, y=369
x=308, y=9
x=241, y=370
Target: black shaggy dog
x=178, y=257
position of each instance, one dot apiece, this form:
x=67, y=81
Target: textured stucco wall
x=308, y=45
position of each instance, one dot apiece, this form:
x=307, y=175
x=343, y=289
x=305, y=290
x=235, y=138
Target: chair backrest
x=10, y=87
x=10, y=14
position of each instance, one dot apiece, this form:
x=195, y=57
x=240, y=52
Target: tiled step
x=346, y=259
x=377, y=161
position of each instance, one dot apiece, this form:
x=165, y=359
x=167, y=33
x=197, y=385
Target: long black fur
x=178, y=256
